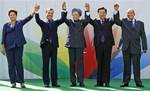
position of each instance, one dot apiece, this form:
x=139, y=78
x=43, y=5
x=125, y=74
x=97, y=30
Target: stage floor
x=37, y=85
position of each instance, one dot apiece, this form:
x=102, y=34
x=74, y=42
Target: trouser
x=49, y=53
x=103, y=55
x=15, y=66
x=128, y=59
x=76, y=59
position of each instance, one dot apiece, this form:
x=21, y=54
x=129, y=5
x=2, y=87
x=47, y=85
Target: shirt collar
x=50, y=20
x=101, y=19
x=132, y=20
x=11, y=24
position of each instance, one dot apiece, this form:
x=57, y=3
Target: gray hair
x=130, y=9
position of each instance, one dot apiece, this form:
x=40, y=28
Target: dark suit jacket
x=132, y=36
x=76, y=37
x=102, y=30
x=49, y=29
x=13, y=36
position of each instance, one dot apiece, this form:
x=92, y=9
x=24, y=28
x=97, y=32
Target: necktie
x=133, y=24
x=102, y=37
x=49, y=32
x=102, y=22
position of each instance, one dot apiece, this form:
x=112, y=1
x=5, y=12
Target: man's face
x=75, y=15
x=102, y=14
x=49, y=14
x=12, y=16
x=131, y=14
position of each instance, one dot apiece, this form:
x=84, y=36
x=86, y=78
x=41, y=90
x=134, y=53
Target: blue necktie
x=132, y=24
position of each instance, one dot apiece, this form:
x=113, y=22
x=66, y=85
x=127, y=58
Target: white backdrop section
x=24, y=8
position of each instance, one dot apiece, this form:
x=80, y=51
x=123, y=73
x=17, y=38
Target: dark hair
x=12, y=10
x=102, y=8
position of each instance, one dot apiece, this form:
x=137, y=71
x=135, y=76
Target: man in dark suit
x=103, y=42
x=49, y=44
x=13, y=42
x=132, y=34
x=76, y=44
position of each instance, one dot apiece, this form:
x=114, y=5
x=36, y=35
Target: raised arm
x=87, y=15
x=38, y=20
x=63, y=15
x=24, y=21
x=64, y=6
x=37, y=17
x=116, y=15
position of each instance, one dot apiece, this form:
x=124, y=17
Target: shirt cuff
x=87, y=13
x=115, y=12
x=64, y=11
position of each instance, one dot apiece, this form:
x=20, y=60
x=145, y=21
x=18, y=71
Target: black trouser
x=49, y=52
x=103, y=55
x=15, y=66
x=130, y=58
x=76, y=59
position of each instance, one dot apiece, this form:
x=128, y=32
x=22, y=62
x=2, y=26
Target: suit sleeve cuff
x=87, y=13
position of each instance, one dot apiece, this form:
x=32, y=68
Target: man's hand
x=36, y=7
x=116, y=7
x=64, y=7
x=87, y=7
x=145, y=51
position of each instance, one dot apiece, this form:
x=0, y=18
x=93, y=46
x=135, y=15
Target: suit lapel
x=130, y=27
x=136, y=26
